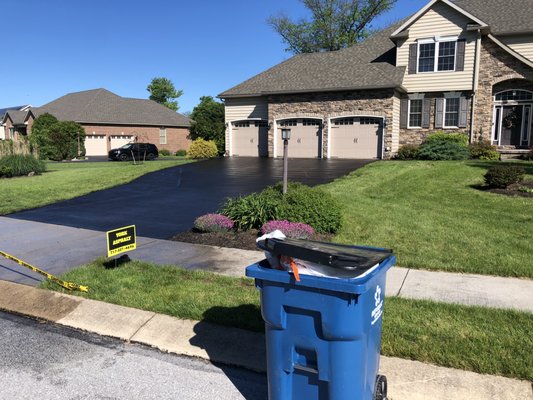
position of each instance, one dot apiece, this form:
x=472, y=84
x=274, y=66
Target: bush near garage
x=20, y=165
x=503, y=175
x=213, y=223
x=181, y=153
x=164, y=152
x=407, y=152
x=443, y=150
x=311, y=206
x=483, y=150
x=201, y=149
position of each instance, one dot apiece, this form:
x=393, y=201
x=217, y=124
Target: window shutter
x=460, y=61
x=413, y=55
x=404, y=107
x=463, y=112
x=439, y=113
x=426, y=110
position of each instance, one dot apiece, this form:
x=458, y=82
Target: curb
x=408, y=380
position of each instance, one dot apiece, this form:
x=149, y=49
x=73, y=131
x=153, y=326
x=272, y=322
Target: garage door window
x=311, y=122
x=163, y=136
x=289, y=122
x=344, y=121
x=242, y=124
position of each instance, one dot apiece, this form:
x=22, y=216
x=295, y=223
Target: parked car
x=137, y=151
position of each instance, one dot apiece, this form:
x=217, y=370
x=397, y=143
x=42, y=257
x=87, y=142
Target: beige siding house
x=457, y=66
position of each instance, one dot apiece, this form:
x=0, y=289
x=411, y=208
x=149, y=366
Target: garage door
x=120, y=140
x=306, y=138
x=250, y=138
x=357, y=137
x=95, y=145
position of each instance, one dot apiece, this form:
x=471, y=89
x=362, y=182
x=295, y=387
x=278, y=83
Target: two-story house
x=457, y=66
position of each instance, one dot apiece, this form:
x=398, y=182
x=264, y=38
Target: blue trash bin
x=323, y=334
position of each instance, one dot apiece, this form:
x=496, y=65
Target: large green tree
x=39, y=133
x=162, y=91
x=334, y=24
x=65, y=140
x=208, y=122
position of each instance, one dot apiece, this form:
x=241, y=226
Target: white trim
x=230, y=152
x=436, y=41
x=275, y=141
x=409, y=113
x=526, y=133
x=451, y=95
x=494, y=127
x=511, y=101
x=428, y=6
x=511, y=51
x=328, y=155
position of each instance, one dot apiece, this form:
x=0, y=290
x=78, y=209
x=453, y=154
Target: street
x=45, y=361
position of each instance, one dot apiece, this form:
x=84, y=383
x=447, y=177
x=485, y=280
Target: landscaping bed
x=523, y=189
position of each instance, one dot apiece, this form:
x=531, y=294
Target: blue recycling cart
x=323, y=334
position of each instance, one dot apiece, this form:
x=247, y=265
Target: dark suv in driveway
x=137, y=151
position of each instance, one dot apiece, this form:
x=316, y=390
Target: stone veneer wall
x=332, y=104
x=498, y=71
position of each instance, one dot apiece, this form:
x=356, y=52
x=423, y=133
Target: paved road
x=166, y=202
x=44, y=361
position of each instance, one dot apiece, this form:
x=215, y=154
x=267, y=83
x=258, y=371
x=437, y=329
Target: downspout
x=476, y=82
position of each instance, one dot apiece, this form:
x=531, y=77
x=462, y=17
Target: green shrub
x=502, y=175
x=6, y=171
x=483, y=151
x=201, y=148
x=311, y=206
x=441, y=136
x=407, y=152
x=443, y=150
x=181, y=153
x=164, y=152
x=18, y=165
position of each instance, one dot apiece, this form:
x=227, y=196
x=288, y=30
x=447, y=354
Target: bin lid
x=345, y=257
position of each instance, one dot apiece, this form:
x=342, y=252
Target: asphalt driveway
x=166, y=202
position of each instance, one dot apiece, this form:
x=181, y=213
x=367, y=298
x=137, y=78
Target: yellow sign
x=121, y=240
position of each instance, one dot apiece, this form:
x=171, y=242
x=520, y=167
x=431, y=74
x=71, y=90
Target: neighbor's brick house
x=109, y=121
x=458, y=66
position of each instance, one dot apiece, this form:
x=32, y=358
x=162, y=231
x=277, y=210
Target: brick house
x=15, y=123
x=457, y=66
x=109, y=120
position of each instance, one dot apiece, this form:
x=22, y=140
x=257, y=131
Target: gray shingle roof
x=366, y=65
x=16, y=116
x=104, y=107
x=503, y=16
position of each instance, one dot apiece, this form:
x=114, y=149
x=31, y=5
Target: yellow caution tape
x=50, y=277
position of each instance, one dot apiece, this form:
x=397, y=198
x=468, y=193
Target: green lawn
x=64, y=181
x=433, y=217
x=497, y=342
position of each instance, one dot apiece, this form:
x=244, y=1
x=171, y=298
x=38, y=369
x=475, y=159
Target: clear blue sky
x=54, y=47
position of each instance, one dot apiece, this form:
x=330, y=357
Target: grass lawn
x=433, y=217
x=64, y=181
x=497, y=342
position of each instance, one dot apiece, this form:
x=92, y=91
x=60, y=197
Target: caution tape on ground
x=50, y=277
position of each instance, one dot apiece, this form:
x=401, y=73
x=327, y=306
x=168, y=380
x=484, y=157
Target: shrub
x=440, y=136
x=503, y=175
x=407, y=152
x=483, y=150
x=164, y=152
x=9, y=147
x=181, y=153
x=443, y=150
x=295, y=230
x=311, y=206
x=18, y=165
x=213, y=223
x=64, y=140
x=201, y=148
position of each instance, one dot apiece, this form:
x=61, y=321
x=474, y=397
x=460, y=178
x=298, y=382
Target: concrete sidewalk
x=408, y=380
x=57, y=249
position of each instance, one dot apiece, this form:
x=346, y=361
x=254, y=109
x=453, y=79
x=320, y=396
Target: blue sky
x=55, y=47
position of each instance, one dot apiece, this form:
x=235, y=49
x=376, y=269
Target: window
x=436, y=55
x=289, y=122
x=451, y=112
x=311, y=122
x=163, y=136
x=514, y=95
x=344, y=121
x=415, y=113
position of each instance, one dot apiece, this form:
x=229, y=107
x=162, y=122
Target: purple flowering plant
x=213, y=223
x=295, y=230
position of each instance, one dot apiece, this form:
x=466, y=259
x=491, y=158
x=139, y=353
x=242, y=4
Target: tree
x=65, y=140
x=334, y=24
x=162, y=91
x=39, y=133
x=208, y=122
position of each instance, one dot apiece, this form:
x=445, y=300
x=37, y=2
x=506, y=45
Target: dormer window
x=437, y=54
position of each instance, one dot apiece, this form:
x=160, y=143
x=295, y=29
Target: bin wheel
x=380, y=393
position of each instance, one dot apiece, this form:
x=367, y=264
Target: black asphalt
x=166, y=202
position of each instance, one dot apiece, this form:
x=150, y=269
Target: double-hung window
x=415, y=113
x=162, y=135
x=437, y=55
x=451, y=112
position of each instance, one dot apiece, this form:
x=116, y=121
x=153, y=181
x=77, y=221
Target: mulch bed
x=237, y=240
x=513, y=190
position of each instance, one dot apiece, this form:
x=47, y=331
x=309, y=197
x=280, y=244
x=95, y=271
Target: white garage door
x=249, y=138
x=95, y=145
x=120, y=140
x=356, y=137
x=306, y=138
